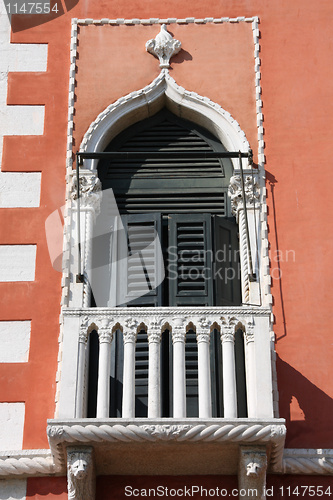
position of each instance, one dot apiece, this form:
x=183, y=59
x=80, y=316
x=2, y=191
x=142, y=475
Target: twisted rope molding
x=307, y=462
x=27, y=462
x=244, y=433
x=116, y=312
x=40, y=462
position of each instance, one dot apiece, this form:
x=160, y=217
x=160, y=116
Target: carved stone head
x=79, y=466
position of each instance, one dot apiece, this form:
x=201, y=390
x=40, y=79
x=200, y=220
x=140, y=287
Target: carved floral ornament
x=164, y=47
x=90, y=191
x=251, y=188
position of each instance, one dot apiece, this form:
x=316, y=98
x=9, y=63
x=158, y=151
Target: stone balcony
x=130, y=445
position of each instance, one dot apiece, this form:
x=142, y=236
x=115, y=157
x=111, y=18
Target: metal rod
x=252, y=275
x=79, y=273
x=124, y=155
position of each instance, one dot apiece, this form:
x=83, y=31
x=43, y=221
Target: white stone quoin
x=17, y=262
x=11, y=429
x=20, y=189
x=14, y=341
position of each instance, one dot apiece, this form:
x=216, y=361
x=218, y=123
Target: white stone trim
x=308, y=461
x=163, y=91
x=26, y=462
x=169, y=20
x=17, y=262
x=223, y=431
x=14, y=341
x=13, y=489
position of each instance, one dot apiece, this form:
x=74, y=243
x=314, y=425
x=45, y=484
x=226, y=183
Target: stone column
x=179, y=371
x=103, y=386
x=81, y=368
x=204, y=380
x=229, y=371
x=89, y=202
x=251, y=383
x=235, y=193
x=154, y=370
x=129, y=336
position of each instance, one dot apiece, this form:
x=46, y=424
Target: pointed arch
x=144, y=103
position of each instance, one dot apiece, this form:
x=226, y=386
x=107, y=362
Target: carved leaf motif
x=166, y=432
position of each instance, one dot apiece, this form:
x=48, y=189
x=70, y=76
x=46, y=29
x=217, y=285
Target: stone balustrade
x=254, y=322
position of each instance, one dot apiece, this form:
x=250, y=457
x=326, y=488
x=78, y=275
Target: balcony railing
x=254, y=323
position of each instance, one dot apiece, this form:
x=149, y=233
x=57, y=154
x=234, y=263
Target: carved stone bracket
x=80, y=473
x=90, y=191
x=163, y=46
x=252, y=471
x=251, y=188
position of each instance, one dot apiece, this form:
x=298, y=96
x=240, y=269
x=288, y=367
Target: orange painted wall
x=296, y=50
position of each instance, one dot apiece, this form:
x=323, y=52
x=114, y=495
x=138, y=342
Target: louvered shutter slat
x=189, y=280
x=140, y=258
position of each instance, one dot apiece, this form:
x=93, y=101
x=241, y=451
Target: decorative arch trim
x=144, y=103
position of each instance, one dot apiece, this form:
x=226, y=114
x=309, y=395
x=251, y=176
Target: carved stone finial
x=80, y=474
x=251, y=189
x=163, y=46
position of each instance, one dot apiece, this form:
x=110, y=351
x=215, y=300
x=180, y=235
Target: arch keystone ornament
x=164, y=47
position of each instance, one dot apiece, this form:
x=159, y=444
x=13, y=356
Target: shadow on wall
x=307, y=409
x=271, y=179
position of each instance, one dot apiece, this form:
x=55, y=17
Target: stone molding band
x=36, y=463
x=26, y=463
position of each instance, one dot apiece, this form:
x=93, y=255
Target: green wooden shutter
x=190, y=260
x=141, y=375
x=226, y=268
x=140, y=261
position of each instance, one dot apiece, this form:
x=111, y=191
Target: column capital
x=203, y=335
x=154, y=336
x=249, y=331
x=228, y=335
x=228, y=329
x=178, y=329
x=251, y=188
x=90, y=190
x=105, y=331
x=83, y=334
x=129, y=336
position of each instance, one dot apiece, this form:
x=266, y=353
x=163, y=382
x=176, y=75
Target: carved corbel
x=80, y=473
x=252, y=471
x=164, y=47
